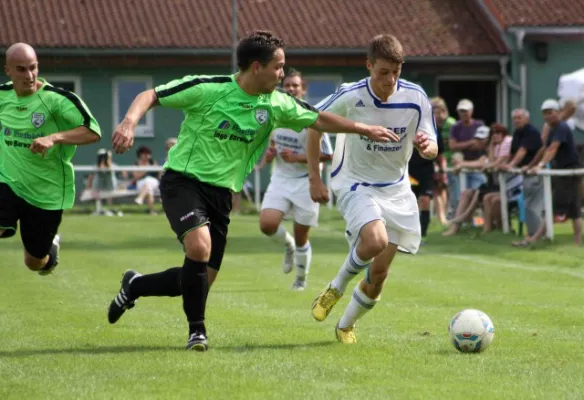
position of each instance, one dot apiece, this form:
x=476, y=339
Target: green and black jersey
x=46, y=182
x=226, y=130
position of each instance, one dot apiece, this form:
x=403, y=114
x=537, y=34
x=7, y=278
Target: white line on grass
x=505, y=264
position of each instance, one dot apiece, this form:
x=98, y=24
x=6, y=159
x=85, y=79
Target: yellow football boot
x=323, y=304
x=346, y=335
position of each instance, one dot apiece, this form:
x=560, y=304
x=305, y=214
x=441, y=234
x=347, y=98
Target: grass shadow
x=97, y=350
x=85, y=350
x=286, y=346
x=250, y=290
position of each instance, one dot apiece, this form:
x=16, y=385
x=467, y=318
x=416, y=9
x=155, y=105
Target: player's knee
x=2, y=232
x=198, y=249
x=375, y=243
x=268, y=226
x=424, y=203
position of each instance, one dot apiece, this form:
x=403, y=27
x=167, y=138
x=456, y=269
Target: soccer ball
x=471, y=331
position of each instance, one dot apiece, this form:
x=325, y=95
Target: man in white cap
x=561, y=153
x=463, y=139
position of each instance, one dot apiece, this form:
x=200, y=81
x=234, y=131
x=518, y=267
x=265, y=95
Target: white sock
x=350, y=268
x=303, y=256
x=283, y=237
x=359, y=305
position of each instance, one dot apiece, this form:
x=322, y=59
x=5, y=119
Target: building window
x=125, y=89
x=320, y=87
x=68, y=82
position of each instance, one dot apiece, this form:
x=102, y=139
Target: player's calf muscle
x=377, y=276
x=33, y=263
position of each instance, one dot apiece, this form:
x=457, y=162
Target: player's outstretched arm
x=123, y=137
x=318, y=191
x=77, y=136
x=329, y=122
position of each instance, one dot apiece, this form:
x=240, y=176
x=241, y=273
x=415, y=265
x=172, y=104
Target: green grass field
x=56, y=342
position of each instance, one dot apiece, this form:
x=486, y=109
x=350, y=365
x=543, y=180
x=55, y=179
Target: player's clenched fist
x=42, y=144
x=123, y=138
x=318, y=191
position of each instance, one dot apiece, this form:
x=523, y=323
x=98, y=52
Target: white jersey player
x=288, y=194
x=370, y=179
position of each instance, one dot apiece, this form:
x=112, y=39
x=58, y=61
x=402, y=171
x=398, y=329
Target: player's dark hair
x=293, y=73
x=258, y=46
x=385, y=47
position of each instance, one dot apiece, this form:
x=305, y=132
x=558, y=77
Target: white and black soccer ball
x=471, y=331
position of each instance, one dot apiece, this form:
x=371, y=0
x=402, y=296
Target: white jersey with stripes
x=360, y=162
x=291, y=140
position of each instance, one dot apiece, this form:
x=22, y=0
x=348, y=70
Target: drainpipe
x=507, y=83
x=520, y=35
x=504, y=89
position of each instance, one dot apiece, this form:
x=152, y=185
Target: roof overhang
x=53, y=51
x=488, y=58
x=548, y=30
x=218, y=52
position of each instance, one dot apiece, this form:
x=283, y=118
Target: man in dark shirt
x=421, y=172
x=524, y=148
x=561, y=153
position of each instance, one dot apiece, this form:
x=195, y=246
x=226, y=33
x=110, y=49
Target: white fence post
x=98, y=207
x=504, y=202
x=549, y=213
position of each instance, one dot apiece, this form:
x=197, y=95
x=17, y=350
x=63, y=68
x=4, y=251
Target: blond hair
x=438, y=102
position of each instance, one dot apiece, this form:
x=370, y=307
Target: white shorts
x=149, y=183
x=292, y=197
x=399, y=213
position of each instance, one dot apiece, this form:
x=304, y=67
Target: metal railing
x=257, y=179
x=257, y=183
x=546, y=174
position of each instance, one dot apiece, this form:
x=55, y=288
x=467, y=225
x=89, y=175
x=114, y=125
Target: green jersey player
x=227, y=125
x=40, y=128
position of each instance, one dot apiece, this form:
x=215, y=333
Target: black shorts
x=567, y=198
x=38, y=227
x=189, y=203
x=424, y=174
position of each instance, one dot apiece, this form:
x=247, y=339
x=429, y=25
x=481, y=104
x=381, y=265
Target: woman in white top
x=498, y=151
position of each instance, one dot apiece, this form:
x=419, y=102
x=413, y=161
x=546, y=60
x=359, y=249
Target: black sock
x=53, y=253
x=165, y=283
x=424, y=221
x=195, y=287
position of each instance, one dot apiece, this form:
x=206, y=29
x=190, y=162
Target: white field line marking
x=505, y=264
